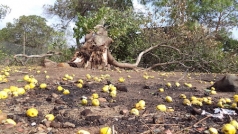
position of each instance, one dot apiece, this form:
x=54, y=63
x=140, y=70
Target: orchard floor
x=71, y=116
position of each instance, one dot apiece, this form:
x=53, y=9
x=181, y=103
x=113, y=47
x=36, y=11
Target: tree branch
x=112, y=60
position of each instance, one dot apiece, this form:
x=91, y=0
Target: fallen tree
x=95, y=54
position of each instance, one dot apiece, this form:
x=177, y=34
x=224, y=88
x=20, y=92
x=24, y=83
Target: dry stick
x=199, y=121
x=186, y=72
x=164, y=124
x=202, y=119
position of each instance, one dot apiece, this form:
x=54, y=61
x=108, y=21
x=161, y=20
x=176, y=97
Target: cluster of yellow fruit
x=138, y=106
x=32, y=112
x=121, y=80
x=111, y=89
x=67, y=77
x=229, y=128
x=146, y=76
x=188, y=85
x=228, y=102
x=3, y=78
x=65, y=91
x=213, y=90
x=96, y=78
x=31, y=82
x=94, y=99
x=12, y=90
x=195, y=100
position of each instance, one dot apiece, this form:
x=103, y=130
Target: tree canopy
x=33, y=29
x=67, y=10
x=4, y=10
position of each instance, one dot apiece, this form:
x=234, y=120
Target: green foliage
x=122, y=28
x=33, y=28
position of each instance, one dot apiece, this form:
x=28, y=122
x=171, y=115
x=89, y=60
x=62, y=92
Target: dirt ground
x=71, y=116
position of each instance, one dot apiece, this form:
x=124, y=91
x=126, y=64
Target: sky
x=35, y=7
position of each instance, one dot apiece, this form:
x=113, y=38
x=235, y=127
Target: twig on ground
x=202, y=120
x=164, y=124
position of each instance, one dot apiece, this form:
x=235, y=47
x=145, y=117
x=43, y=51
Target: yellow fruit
x=121, y=79
x=228, y=100
x=234, y=105
x=134, y=111
x=21, y=91
x=234, y=123
x=50, y=117
x=26, y=78
x=177, y=84
x=113, y=93
x=38, y=71
x=79, y=85
x=187, y=102
x=213, y=130
x=95, y=102
x=43, y=85
x=33, y=80
x=15, y=93
x=9, y=121
x=47, y=76
x=213, y=92
x=235, y=97
x=88, y=76
x=228, y=129
x=209, y=102
x=105, y=130
x=183, y=96
x=3, y=95
x=161, y=90
x=66, y=91
x=60, y=88
x=161, y=107
x=83, y=132
x=112, y=87
x=168, y=99
x=27, y=87
x=193, y=98
x=142, y=103
x=32, y=112
x=32, y=85
x=168, y=84
x=222, y=100
x=80, y=81
x=105, y=88
x=6, y=73
x=70, y=78
x=196, y=102
x=84, y=101
x=213, y=88
x=219, y=104
x=95, y=96
x=13, y=88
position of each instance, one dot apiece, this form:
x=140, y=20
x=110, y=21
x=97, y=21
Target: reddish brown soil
x=67, y=108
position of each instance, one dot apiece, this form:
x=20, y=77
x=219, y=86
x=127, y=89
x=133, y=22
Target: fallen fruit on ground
x=83, y=132
x=95, y=102
x=50, y=117
x=105, y=130
x=213, y=130
x=161, y=107
x=228, y=129
x=135, y=111
x=32, y=112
